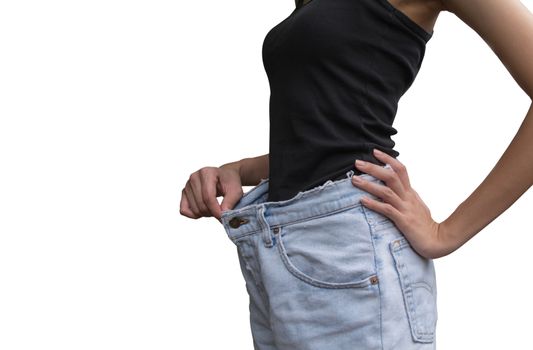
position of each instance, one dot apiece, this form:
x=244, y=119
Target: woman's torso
x=336, y=69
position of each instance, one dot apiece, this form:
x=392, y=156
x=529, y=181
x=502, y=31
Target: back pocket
x=419, y=289
x=334, y=250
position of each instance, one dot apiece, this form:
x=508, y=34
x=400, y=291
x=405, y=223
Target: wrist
x=236, y=166
x=448, y=237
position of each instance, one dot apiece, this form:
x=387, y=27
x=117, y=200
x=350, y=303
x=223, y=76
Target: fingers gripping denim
x=324, y=272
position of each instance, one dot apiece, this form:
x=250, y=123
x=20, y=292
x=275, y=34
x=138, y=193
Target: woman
x=337, y=254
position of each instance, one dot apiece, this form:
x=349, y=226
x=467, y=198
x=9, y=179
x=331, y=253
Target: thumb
x=231, y=197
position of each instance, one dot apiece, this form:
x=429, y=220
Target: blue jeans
x=324, y=272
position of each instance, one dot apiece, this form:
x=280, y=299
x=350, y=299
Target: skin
x=198, y=197
x=506, y=26
x=423, y=12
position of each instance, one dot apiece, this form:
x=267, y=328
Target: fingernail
x=356, y=178
x=359, y=162
x=377, y=151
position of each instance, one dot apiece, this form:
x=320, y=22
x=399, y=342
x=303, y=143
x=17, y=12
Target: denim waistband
x=253, y=213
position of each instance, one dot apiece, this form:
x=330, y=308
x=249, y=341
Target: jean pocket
x=419, y=289
x=329, y=251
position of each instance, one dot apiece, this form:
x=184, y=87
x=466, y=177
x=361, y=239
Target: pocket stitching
x=310, y=280
x=396, y=247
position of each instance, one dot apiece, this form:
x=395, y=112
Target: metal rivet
x=276, y=229
x=374, y=279
x=237, y=221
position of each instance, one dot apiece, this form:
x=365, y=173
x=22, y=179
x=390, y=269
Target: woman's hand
x=403, y=206
x=199, y=196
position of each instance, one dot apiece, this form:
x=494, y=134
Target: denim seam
x=383, y=224
x=237, y=238
x=257, y=272
x=372, y=237
x=367, y=220
x=351, y=206
x=378, y=225
x=265, y=230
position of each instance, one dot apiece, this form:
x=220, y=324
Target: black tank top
x=336, y=70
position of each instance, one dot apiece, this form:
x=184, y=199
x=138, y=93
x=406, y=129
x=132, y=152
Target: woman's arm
x=507, y=27
x=251, y=170
x=199, y=196
x=508, y=180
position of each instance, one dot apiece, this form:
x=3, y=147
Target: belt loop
x=265, y=229
x=350, y=173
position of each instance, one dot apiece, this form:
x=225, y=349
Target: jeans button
x=237, y=221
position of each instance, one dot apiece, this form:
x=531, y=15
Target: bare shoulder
x=506, y=26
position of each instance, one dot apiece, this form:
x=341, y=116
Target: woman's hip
x=328, y=272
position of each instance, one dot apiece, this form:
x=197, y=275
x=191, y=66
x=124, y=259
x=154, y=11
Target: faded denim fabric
x=324, y=272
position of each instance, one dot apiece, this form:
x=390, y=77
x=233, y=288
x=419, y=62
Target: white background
x=106, y=108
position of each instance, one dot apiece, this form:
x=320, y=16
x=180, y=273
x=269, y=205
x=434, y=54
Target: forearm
x=251, y=170
x=511, y=177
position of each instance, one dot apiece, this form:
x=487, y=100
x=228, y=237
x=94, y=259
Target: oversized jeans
x=324, y=272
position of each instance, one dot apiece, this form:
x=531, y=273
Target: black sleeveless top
x=336, y=70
